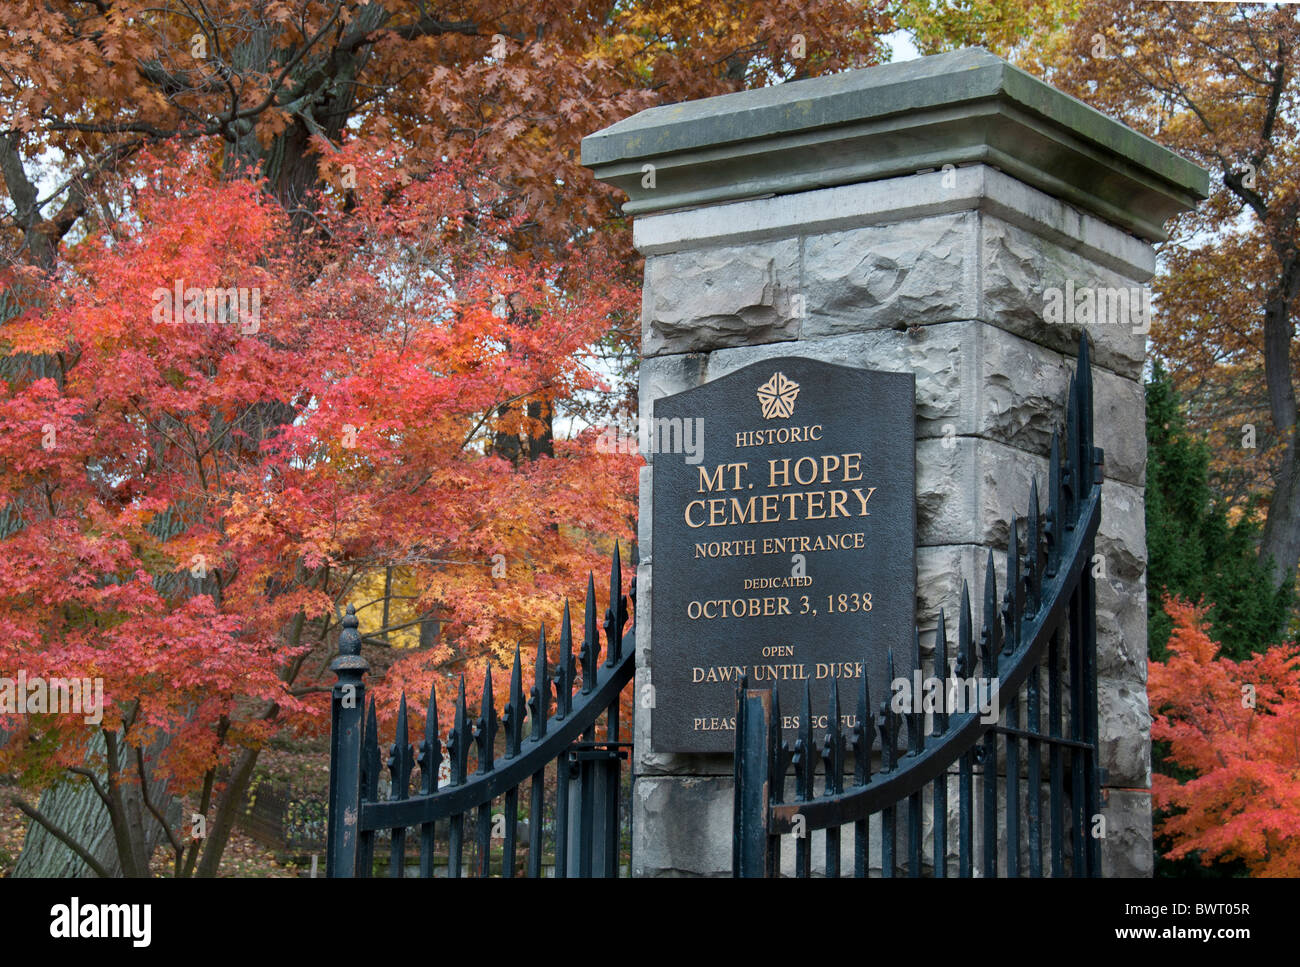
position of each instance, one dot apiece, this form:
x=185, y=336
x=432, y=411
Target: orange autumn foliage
x=1236, y=725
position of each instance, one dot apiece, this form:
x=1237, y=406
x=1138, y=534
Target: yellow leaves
x=401, y=607
x=997, y=25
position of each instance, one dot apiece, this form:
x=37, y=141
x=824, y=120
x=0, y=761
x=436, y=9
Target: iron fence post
x=347, y=707
x=750, y=845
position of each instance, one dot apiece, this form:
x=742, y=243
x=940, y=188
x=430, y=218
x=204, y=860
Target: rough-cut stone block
x=681, y=826
x=1121, y=630
x=890, y=275
x=940, y=571
x=1120, y=425
x=1122, y=533
x=1126, y=850
x=667, y=375
x=967, y=490
x=1018, y=267
x=1021, y=389
x=880, y=276
x=1125, y=724
x=696, y=301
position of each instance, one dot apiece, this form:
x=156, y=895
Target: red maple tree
x=196, y=485
x=1236, y=726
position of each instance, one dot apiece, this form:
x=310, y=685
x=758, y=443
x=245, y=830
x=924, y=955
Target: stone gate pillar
x=952, y=217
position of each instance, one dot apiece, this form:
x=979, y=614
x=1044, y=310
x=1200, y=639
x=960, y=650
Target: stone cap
x=963, y=107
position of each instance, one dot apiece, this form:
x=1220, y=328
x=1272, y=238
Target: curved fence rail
x=1039, y=638
x=573, y=770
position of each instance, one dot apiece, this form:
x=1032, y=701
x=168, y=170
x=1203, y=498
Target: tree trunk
x=75, y=807
x=219, y=832
x=1281, y=538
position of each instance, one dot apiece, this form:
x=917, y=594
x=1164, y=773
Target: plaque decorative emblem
x=777, y=397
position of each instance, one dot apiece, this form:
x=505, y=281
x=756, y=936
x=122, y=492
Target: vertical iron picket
x=400, y=763
x=1077, y=792
x=615, y=619
x=776, y=765
x=539, y=701
x=458, y=749
x=430, y=760
x=563, y=768
x=1092, y=735
x=590, y=660
x=989, y=647
x=1056, y=818
x=1011, y=612
x=804, y=772
x=370, y=760
x=513, y=722
x=1061, y=521
x=863, y=739
x=889, y=761
x=1013, y=789
x=833, y=760
x=750, y=839
x=1034, y=781
x=485, y=731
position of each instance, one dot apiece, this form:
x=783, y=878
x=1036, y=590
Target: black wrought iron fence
x=571, y=760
